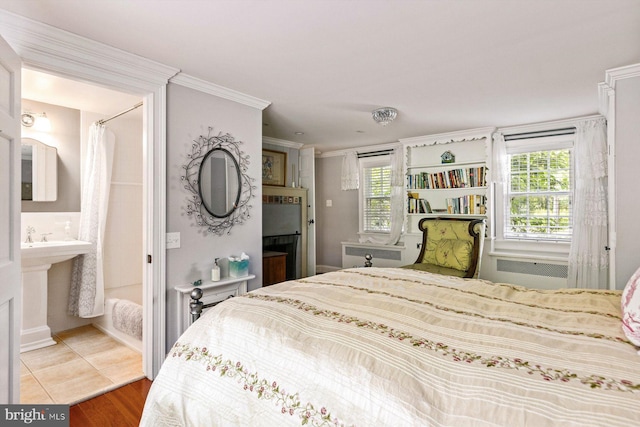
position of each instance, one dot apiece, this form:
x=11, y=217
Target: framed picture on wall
x=274, y=168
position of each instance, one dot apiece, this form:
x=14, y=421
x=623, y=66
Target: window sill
x=364, y=235
x=526, y=249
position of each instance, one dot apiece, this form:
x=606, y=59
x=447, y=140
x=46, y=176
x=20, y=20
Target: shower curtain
x=86, y=296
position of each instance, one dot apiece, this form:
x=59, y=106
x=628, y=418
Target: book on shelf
x=417, y=204
x=472, y=204
x=452, y=178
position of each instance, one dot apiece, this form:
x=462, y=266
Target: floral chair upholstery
x=450, y=246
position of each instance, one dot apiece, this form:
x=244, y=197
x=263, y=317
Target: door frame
x=307, y=180
x=54, y=51
x=11, y=289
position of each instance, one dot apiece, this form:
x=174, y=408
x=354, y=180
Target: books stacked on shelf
x=471, y=204
x=454, y=178
x=417, y=205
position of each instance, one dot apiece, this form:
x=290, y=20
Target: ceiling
x=446, y=65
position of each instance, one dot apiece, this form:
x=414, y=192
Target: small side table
x=274, y=267
x=212, y=294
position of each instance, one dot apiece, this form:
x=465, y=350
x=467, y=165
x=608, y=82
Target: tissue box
x=239, y=268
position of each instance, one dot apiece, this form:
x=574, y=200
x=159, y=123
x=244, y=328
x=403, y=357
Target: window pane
x=519, y=205
x=377, y=199
x=539, y=181
x=539, y=195
x=519, y=182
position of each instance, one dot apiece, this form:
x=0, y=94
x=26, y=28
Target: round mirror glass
x=219, y=182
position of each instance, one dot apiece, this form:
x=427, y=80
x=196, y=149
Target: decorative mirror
x=219, y=182
x=216, y=176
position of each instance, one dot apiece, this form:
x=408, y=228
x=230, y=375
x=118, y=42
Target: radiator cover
x=532, y=268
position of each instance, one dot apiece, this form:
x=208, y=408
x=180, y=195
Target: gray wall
x=65, y=136
x=627, y=154
x=339, y=222
x=189, y=114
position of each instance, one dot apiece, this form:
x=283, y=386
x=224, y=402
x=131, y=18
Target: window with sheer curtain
x=375, y=195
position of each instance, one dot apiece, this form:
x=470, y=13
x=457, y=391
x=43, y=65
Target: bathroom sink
x=42, y=253
x=37, y=258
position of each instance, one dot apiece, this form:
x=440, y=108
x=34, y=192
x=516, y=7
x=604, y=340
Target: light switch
x=173, y=240
x=329, y=203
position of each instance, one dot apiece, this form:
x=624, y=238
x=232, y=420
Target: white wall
x=189, y=114
x=627, y=156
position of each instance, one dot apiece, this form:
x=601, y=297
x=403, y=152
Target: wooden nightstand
x=274, y=267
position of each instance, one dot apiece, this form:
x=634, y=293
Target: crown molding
x=186, y=80
x=605, y=93
x=281, y=142
x=607, y=89
x=44, y=47
x=626, y=72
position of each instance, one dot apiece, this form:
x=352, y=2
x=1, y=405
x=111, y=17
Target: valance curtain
x=350, y=172
x=86, y=295
x=588, y=258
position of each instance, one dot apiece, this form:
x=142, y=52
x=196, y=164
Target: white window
x=539, y=191
x=375, y=194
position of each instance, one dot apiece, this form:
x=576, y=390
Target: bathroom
x=71, y=108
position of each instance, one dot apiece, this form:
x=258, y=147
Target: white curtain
x=501, y=171
x=588, y=259
x=350, y=172
x=397, y=202
x=86, y=296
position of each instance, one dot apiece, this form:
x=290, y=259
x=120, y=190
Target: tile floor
x=84, y=363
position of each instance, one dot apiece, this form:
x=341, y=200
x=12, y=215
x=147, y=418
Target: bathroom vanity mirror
x=219, y=182
x=216, y=176
x=39, y=171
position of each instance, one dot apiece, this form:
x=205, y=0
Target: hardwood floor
x=121, y=407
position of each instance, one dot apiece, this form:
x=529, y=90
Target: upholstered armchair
x=450, y=246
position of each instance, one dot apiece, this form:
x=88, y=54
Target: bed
x=399, y=347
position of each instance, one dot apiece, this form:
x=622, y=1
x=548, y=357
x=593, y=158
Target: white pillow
x=631, y=308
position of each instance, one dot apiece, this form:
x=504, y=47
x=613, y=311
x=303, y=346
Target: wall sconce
x=39, y=122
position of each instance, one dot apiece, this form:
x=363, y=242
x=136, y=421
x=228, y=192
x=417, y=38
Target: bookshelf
x=457, y=189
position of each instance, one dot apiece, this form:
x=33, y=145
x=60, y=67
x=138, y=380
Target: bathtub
x=105, y=324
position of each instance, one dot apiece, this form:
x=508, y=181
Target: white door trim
x=55, y=51
x=10, y=290
x=607, y=97
x=307, y=180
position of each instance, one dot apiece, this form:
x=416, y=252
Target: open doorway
x=95, y=361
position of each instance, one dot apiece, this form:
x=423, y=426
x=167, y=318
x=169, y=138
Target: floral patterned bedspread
x=397, y=347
